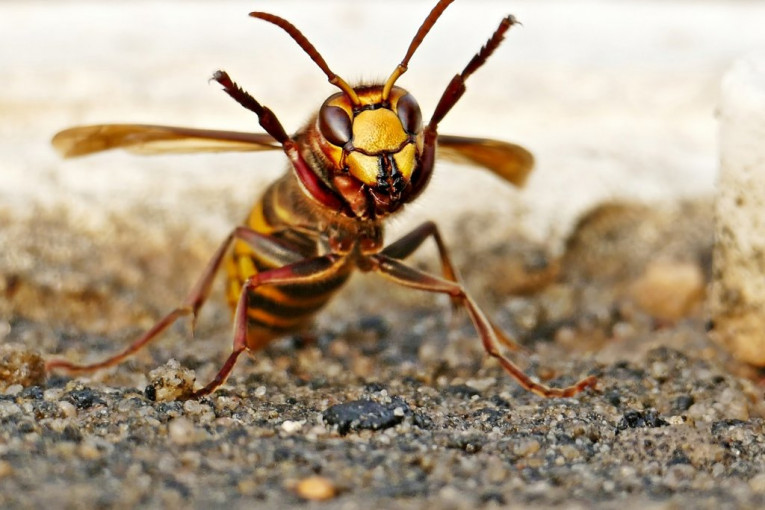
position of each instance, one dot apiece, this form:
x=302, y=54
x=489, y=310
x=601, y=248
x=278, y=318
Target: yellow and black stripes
x=276, y=309
x=282, y=308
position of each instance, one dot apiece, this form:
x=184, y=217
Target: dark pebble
x=365, y=414
x=84, y=398
x=71, y=433
x=683, y=403
x=32, y=393
x=678, y=457
x=150, y=392
x=494, y=497
x=613, y=397
x=633, y=419
x=374, y=387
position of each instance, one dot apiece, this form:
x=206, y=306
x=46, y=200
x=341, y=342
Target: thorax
x=285, y=212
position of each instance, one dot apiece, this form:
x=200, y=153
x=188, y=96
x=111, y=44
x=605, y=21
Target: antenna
x=312, y=52
x=418, y=37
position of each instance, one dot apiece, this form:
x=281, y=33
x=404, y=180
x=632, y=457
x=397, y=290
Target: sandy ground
x=616, y=99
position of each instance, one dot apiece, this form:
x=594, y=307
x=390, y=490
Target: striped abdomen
x=273, y=310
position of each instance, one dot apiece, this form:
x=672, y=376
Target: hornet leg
x=408, y=244
x=416, y=279
x=302, y=272
x=195, y=299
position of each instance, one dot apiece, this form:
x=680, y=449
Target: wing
x=145, y=139
x=508, y=161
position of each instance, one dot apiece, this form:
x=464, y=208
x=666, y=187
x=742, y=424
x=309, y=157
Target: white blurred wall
x=616, y=98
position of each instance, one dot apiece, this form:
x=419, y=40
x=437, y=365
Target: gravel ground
x=390, y=403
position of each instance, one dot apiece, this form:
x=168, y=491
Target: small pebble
x=482, y=385
x=181, y=431
x=14, y=389
x=170, y=382
x=676, y=420
x=8, y=409
x=6, y=468
x=192, y=407
x=527, y=447
x=67, y=408
x=316, y=488
x=669, y=290
x=290, y=426
x=20, y=365
x=640, y=419
x=570, y=452
x=366, y=414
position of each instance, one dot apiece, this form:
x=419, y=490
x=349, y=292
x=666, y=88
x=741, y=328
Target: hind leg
x=194, y=300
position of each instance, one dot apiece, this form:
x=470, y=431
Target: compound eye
x=408, y=111
x=335, y=125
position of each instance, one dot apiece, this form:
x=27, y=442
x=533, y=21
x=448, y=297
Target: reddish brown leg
x=456, y=87
x=408, y=244
x=195, y=299
x=414, y=278
x=451, y=95
x=304, y=271
x=454, y=91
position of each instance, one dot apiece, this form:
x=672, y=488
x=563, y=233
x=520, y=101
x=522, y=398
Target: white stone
x=738, y=291
x=290, y=426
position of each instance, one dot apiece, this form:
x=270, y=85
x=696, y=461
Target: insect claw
x=216, y=76
x=512, y=20
x=588, y=383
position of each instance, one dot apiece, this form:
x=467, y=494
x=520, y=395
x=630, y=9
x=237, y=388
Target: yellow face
x=376, y=142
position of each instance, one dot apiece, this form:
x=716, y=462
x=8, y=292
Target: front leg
x=408, y=244
x=410, y=277
x=306, y=271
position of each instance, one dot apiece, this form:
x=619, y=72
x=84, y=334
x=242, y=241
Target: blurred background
x=615, y=98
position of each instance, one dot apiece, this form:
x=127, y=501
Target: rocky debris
x=169, y=382
x=20, y=366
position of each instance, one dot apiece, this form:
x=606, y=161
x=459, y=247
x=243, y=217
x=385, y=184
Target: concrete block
x=738, y=291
